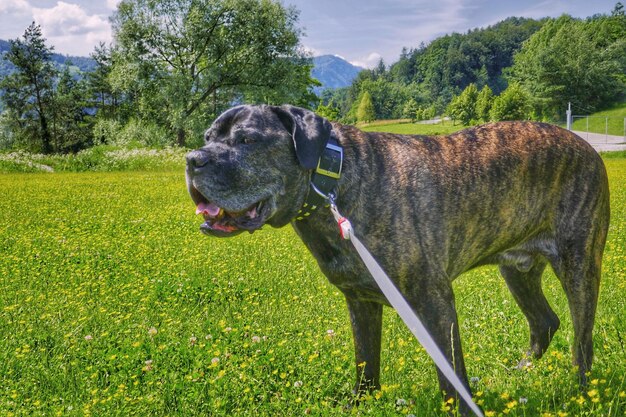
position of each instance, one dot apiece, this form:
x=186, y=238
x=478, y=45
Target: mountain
x=330, y=70
x=333, y=72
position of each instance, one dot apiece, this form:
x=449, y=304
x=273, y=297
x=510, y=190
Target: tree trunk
x=45, y=135
x=180, y=137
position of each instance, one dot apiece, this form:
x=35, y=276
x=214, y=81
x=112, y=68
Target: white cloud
x=368, y=62
x=112, y=4
x=71, y=29
x=311, y=51
x=67, y=27
x=14, y=7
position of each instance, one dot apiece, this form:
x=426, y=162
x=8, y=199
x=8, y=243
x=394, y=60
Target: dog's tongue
x=208, y=208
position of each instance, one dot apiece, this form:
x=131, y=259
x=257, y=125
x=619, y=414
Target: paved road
x=604, y=143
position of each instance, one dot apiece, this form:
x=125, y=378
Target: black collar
x=324, y=179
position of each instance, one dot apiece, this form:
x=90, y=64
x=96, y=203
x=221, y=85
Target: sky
x=360, y=31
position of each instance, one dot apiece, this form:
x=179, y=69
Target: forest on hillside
x=547, y=63
x=161, y=84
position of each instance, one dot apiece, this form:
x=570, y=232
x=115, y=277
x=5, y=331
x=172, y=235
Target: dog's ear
x=309, y=132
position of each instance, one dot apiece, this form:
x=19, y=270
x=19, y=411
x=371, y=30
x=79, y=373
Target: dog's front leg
x=433, y=302
x=366, y=318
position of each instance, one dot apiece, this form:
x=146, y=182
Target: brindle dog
x=517, y=194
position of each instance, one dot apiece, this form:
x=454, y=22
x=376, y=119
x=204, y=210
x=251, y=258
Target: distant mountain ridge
x=84, y=64
x=333, y=72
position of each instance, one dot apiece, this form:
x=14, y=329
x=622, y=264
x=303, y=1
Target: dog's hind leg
x=579, y=272
x=525, y=286
x=581, y=232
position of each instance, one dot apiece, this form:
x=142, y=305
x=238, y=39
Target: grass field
x=412, y=128
x=114, y=304
x=598, y=122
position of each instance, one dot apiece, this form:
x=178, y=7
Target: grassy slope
x=598, y=123
x=412, y=128
x=113, y=303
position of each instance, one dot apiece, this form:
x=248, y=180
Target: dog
x=521, y=195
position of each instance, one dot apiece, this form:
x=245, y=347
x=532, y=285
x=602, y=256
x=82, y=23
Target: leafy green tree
x=410, y=110
x=512, y=104
x=104, y=96
x=186, y=60
x=72, y=126
x=28, y=93
x=365, y=112
x=429, y=112
x=329, y=111
x=566, y=61
x=463, y=107
x=484, y=101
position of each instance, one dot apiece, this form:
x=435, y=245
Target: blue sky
x=361, y=31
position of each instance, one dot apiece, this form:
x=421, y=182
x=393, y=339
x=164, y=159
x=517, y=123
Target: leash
x=398, y=302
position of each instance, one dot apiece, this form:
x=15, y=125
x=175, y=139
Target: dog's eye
x=248, y=140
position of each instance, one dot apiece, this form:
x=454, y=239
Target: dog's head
x=255, y=167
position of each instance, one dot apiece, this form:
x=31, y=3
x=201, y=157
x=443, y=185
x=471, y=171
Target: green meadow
x=114, y=304
x=407, y=128
x=611, y=121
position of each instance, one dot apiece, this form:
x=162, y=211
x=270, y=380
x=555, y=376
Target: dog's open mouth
x=222, y=222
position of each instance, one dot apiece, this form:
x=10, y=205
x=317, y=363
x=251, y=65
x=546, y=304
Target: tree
x=72, y=126
x=484, y=101
x=463, y=107
x=365, y=112
x=191, y=59
x=569, y=60
x=28, y=92
x=410, y=110
x=105, y=97
x=512, y=104
x=329, y=111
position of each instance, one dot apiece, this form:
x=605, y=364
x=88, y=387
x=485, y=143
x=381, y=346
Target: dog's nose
x=197, y=159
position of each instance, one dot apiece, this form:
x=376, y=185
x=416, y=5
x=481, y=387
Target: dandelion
x=88, y=337
x=147, y=365
x=152, y=331
x=256, y=339
x=193, y=340
x=474, y=380
x=297, y=384
x=208, y=337
x=330, y=333
x=523, y=400
x=215, y=361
